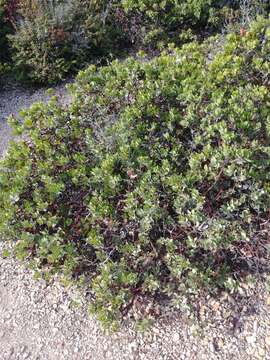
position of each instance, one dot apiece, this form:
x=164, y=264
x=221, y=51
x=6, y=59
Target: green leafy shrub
x=35, y=57
x=56, y=37
x=168, y=20
x=181, y=21
x=154, y=181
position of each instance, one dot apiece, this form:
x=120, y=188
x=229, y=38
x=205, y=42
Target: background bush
x=154, y=182
x=5, y=29
x=180, y=21
x=55, y=37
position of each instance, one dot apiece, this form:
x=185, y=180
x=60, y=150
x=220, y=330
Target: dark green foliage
x=154, y=181
x=5, y=29
x=2, y=30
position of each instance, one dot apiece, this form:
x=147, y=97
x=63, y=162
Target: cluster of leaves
x=55, y=37
x=154, y=181
x=4, y=69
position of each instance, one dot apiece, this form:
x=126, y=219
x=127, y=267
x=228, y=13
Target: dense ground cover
x=154, y=181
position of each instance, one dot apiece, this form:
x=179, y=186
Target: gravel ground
x=40, y=321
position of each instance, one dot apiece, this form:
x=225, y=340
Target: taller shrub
x=154, y=181
x=55, y=37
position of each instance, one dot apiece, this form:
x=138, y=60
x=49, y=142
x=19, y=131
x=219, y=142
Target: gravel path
x=39, y=321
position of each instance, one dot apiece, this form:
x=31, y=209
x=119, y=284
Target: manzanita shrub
x=154, y=182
